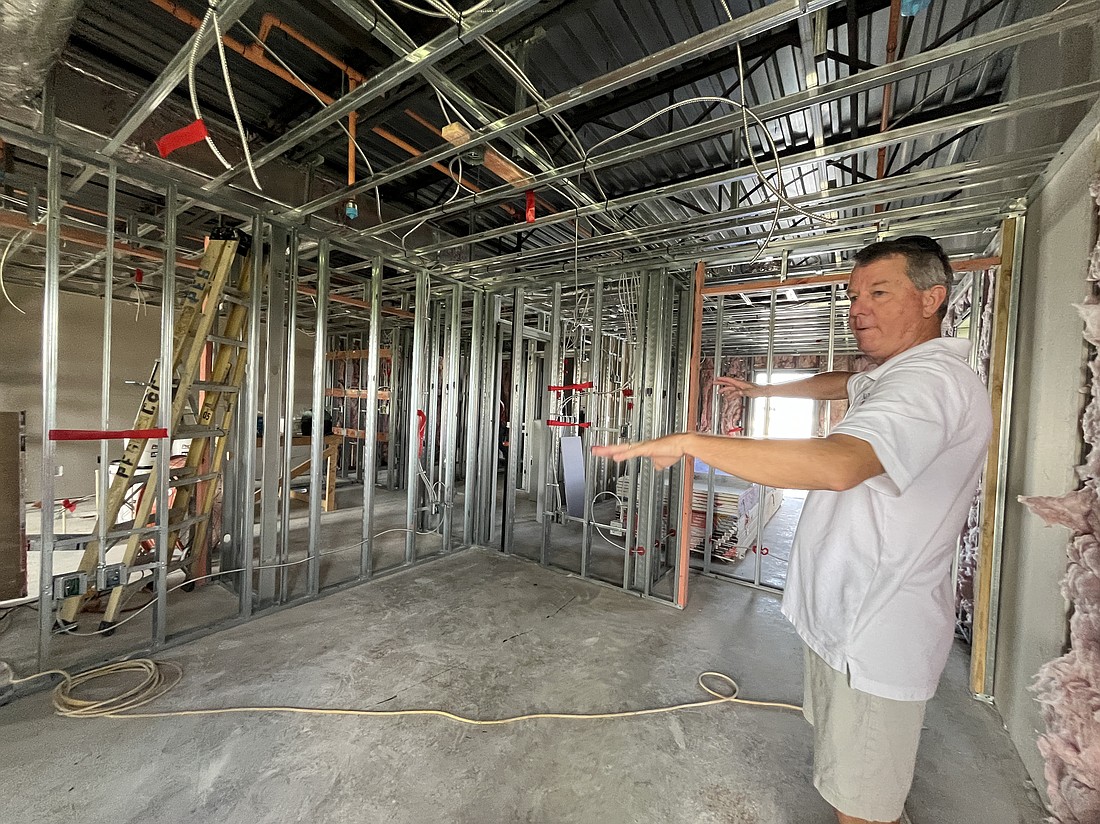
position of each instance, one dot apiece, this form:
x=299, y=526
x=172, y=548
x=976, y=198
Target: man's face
x=888, y=314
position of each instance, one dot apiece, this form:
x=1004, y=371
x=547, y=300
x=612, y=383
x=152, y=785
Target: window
x=783, y=417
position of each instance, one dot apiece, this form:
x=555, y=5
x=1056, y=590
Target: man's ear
x=933, y=299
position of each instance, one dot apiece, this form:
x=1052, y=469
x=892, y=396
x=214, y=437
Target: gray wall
x=135, y=345
x=136, y=341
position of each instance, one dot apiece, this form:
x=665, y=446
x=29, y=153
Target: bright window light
x=785, y=417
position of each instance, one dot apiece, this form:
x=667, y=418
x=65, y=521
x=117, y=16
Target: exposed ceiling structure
x=509, y=141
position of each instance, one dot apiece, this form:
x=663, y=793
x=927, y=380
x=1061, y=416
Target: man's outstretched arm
x=837, y=462
x=827, y=386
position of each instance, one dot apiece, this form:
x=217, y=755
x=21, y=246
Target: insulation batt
x=972, y=534
x=1072, y=510
x=1068, y=688
x=1090, y=314
x=1090, y=424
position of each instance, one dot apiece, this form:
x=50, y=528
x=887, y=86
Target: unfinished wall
x=135, y=345
x=1045, y=440
x=136, y=340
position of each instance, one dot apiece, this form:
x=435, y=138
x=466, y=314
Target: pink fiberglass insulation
x=1074, y=510
x=972, y=532
x=1069, y=687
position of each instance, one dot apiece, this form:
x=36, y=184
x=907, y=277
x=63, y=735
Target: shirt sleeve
x=909, y=417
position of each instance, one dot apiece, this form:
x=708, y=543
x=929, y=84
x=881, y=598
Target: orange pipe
x=386, y=134
x=254, y=54
x=270, y=21
x=973, y=265
x=353, y=121
x=888, y=89
x=86, y=237
x=359, y=304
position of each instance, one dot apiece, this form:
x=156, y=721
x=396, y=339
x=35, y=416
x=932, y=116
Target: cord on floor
x=159, y=677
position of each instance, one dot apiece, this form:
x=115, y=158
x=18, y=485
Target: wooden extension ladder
x=193, y=486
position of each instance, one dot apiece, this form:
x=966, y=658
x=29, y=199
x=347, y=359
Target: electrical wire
x=444, y=103
x=511, y=67
x=191, y=86
x=419, y=10
x=746, y=113
x=141, y=302
x=781, y=192
x=211, y=16
x=233, y=101
x=599, y=529
x=309, y=88
x=161, y=676
x=3, y=261
x=457, y=177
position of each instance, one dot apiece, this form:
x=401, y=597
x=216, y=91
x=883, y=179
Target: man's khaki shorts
x=865, y=747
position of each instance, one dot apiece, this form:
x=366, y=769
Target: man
x=868, y=587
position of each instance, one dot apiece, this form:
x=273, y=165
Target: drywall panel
x=1045, y=440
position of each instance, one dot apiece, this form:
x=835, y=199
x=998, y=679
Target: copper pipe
x=353, y=121
x=359, y=304
x=254, y=54
x=973, y=265
x=386, y=134
x=888, y=89
x=88, y=237
x=270, y=21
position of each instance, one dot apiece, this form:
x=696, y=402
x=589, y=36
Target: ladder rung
x=224, y=341
x=236, y=296
x=193, y=479
x=179, y=526
x=210, y=386
x=195, y=432
x=126, y=529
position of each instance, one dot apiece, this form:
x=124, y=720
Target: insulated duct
x=32, y=35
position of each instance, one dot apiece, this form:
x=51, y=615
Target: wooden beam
x=980, y=678
x=684, y=564
x=977, y=264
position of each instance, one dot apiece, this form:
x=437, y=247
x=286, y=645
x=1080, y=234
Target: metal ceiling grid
x=675, y=191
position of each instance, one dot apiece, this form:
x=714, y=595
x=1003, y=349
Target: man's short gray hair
x=926, y=263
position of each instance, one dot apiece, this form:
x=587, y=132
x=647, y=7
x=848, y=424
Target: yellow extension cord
x=161, y=676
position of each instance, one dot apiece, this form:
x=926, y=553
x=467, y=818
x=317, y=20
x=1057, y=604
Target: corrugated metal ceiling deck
x=693, y=200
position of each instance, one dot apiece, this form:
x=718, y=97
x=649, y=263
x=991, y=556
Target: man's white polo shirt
x=869, y=587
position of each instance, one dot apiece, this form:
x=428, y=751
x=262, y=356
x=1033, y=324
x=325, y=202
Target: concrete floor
x=486, y=635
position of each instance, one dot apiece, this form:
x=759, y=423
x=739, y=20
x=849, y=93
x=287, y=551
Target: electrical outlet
x=110, y=576
x=70, y=584
x=58, y=471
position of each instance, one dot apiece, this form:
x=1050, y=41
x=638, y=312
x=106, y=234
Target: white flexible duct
x=32, y=35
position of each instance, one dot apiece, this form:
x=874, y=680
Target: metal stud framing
x=461, y=440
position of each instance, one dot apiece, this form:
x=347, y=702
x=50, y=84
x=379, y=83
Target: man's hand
x=737, y=388
x=664, y=452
